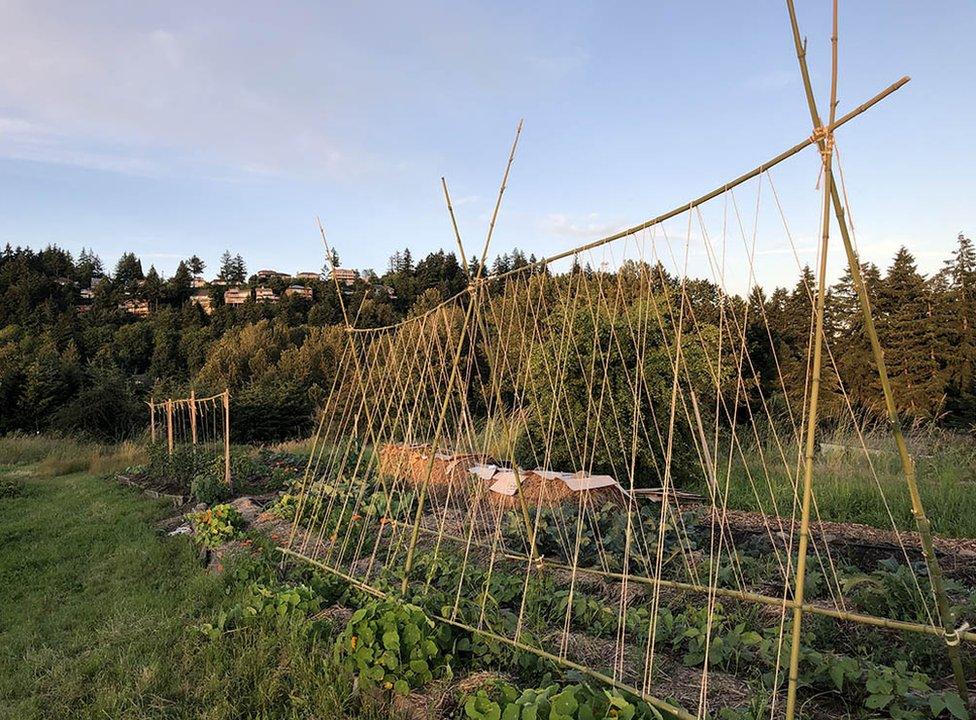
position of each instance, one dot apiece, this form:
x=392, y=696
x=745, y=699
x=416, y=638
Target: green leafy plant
x=266, y=602
x=210, y=484
x=391, y=646
x=285, y=506
x=216, y=526
x=502, y=701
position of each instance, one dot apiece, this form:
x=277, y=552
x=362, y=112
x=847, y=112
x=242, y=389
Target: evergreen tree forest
x=75, y=358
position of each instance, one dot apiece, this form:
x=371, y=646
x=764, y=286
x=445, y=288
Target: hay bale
x=548, y=489
x=448, y=470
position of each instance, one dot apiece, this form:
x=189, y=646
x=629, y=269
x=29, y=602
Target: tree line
x=73, y=359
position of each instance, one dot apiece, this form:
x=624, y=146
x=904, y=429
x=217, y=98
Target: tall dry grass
x=54, y=456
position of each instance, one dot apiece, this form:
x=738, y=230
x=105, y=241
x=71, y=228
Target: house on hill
x=265, y=294
x=265, y=275
x=237, y=296
x=135, y=306
x=202, y=298
x=306, y=275
x=301, y=290
x=346, y=276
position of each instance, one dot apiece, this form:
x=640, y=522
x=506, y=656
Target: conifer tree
x=226, y=266
x=907, y=334
x=959, y=316
x=196, y=265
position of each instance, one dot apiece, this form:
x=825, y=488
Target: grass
x=850, y=486
x=55, y=456
x=98, y=612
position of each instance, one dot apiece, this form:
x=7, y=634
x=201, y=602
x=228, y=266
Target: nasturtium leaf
x=391, y=641
x=565, y=702
x=837, y=675
x=511, y=712
x=401, y=687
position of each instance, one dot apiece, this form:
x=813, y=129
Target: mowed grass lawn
x=99, y=617
x=93, y=602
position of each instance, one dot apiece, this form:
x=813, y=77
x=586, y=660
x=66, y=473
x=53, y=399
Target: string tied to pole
x=954, y=637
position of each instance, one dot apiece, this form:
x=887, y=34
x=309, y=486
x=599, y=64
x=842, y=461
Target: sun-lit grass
x=851, y=485
x=295, y=447
x=55, y=456
x=98, y=617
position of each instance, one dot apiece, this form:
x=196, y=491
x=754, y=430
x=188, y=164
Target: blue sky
x=181, y=127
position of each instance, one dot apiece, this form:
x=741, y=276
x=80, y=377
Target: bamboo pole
x=193, y=416
x=169, y=425
x=472, y=302
x=712, y=194
x=526, y=519
x=811, y=437
x=674, y=212
x=226, y=403
x=946, y=616
x=152, y=421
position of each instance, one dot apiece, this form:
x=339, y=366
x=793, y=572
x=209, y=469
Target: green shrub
x=391, y=646
x=210, y=485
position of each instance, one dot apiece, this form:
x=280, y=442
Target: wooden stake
x=227, y=477
x=193, y=416
x=169, y=425
x=152, y=422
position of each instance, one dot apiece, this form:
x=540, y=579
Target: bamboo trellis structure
x=202, y=422
x=547, y=381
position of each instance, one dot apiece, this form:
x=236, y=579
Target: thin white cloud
x=585, y=227
x=255, y=89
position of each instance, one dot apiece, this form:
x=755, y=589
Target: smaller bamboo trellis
x=198, y=421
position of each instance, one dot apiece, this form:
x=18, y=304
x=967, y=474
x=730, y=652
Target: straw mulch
x=542, y=492
x=410, y=463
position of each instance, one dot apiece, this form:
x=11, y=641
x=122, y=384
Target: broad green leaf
x=876, y=702
x=956, y=706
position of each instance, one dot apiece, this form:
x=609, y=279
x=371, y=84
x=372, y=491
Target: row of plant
x=353, y=507
x=860, y=667
x=401, y=650
x=200, y=472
